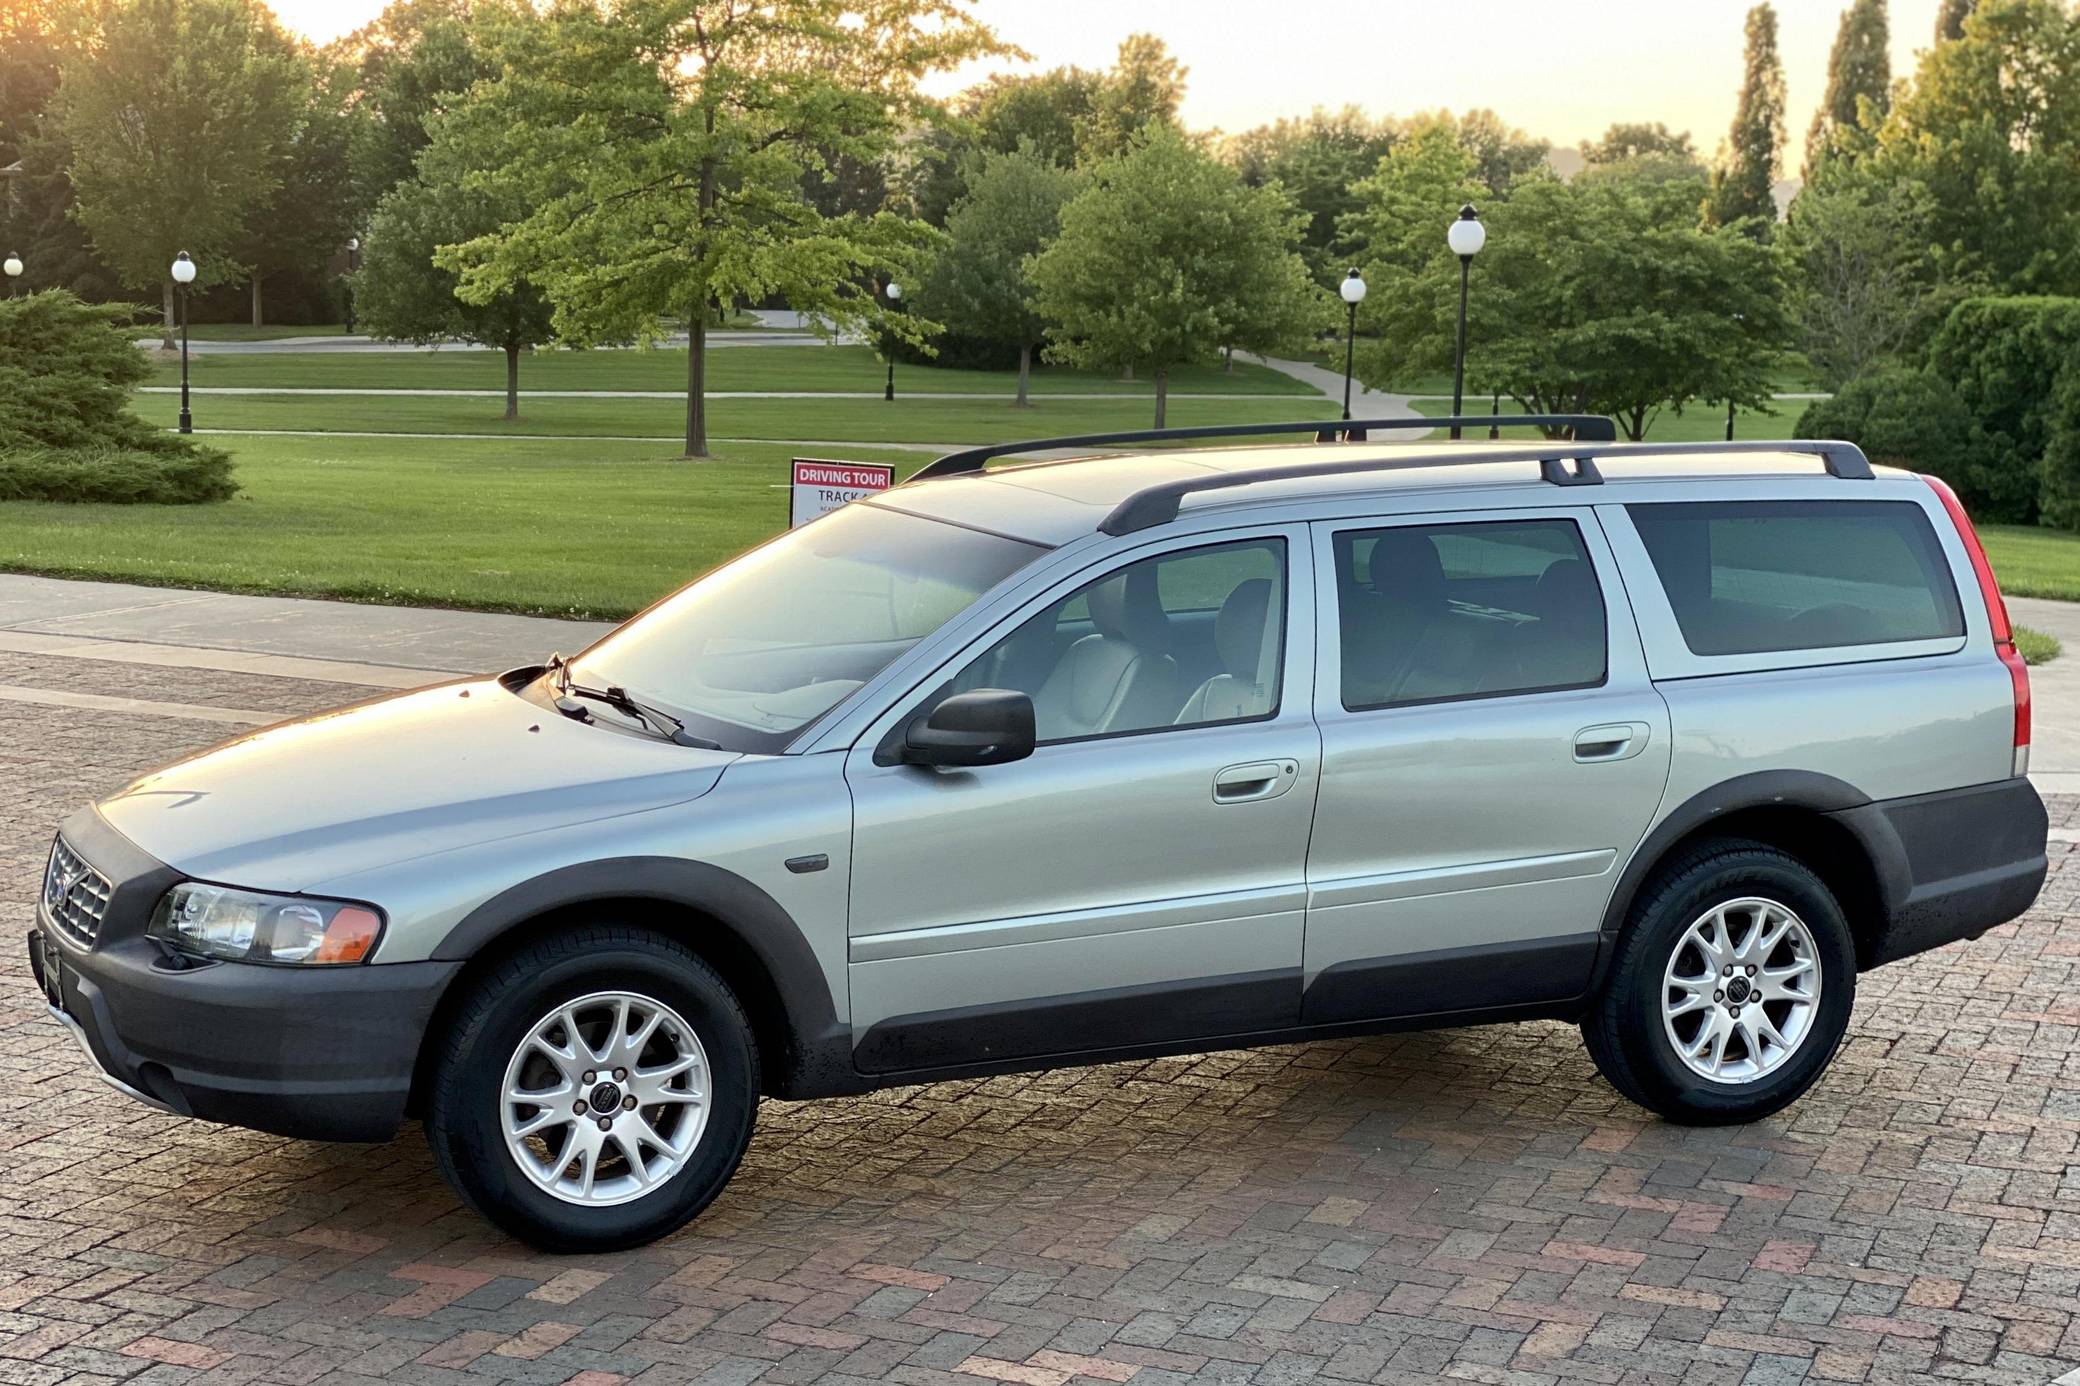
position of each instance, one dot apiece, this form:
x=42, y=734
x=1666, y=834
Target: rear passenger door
x=1492, y=751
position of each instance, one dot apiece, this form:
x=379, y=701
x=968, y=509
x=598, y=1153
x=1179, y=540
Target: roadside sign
x=821, y=487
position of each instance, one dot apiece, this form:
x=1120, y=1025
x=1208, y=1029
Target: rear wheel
x=1731, y=989
x=596, y=1091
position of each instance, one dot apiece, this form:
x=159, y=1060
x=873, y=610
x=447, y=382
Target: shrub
x=2062, y=453
x=2004, y=356
x=1913, y=418
x=66, y=432
x=184, y=477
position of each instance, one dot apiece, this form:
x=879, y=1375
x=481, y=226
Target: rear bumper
x=1950, y=865
x=323, y=1053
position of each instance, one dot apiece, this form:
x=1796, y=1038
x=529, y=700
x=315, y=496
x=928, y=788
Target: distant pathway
x=1365, y=403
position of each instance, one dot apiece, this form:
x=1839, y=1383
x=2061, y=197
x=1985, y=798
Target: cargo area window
x=1431, y=613
x=1750, y=577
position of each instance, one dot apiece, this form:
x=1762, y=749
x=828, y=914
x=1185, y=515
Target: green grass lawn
x=521, y=526
x=2033, y=562
x=729, y=368
x=922, y=421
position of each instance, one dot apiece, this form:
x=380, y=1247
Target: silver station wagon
x=1090, y=760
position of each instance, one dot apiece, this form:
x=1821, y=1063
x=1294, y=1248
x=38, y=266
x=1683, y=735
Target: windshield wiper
x=614, y=696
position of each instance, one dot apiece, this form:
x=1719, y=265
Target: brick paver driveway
x=1470, y=1205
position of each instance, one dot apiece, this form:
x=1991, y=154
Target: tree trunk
x=1228, y=360
x=166, y=336
x=697, y=383
x=1128, y=373
x=512, y=382
x=1025, y=373
x=1162, y=394
x=259, y=320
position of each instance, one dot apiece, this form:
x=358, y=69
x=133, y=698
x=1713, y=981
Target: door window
x=1430, y=613
x=1182, y=639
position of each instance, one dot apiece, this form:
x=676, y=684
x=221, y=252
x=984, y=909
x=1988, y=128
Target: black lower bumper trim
x=319, y=1053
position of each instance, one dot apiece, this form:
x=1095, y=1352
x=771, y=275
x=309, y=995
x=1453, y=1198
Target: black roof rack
x=1588, y=428
x=1159, y=503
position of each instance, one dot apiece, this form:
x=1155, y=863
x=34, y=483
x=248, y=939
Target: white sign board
x=821, y=487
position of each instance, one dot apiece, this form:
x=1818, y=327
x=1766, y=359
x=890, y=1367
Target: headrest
x=1405, y=565
x=1238, y=628
x=1568, y=587
x=1127, y=608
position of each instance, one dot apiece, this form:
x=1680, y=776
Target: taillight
x=1996, y=616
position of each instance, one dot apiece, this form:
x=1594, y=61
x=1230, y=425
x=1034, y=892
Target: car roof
x=1053, y=502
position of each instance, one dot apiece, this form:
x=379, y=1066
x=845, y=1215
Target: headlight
x=211, y=921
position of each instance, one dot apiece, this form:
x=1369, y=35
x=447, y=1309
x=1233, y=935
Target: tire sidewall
x=467, y=1106
x=1757, y=874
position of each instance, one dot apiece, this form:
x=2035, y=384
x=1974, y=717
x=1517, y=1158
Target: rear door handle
x=1259, y=779
x=1611, y=741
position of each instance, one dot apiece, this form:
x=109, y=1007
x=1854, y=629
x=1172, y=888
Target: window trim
x=1332, y=625
x=1296, y=556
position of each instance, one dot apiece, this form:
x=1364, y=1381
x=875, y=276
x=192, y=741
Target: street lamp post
x=353, y=264
x=1466, y=237
x=184, y=275
x=1352, y=290
x=895, y=299
x=13, y=268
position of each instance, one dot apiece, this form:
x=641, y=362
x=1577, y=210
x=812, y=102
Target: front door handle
x=1259, y=779
x=1611, y=741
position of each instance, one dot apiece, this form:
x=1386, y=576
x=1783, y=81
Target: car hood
x=399, y=777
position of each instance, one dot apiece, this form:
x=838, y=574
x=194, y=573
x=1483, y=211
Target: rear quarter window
x=1749, y=577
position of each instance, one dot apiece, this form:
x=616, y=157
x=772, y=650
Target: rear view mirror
x=988, y=726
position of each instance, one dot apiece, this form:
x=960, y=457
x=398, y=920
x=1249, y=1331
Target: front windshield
x=762, y=646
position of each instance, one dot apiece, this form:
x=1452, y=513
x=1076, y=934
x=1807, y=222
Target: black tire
x=463, y=1121
x=1625, y=1030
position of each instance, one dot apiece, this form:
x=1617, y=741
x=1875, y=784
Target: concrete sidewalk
x=289, y=637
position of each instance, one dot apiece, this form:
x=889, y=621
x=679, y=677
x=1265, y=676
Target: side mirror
x=988, y=726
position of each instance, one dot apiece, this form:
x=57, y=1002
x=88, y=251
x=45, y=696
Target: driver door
x=1139, y=880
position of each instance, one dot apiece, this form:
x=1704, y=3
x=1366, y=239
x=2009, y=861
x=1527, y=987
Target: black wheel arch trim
x=1764, y=789
x=819, y=1057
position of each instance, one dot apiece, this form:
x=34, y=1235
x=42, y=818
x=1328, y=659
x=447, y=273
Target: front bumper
x=316, y=1053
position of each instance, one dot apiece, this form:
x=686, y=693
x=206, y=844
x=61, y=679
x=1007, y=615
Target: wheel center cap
x=605, y=1098
x=1737, y=990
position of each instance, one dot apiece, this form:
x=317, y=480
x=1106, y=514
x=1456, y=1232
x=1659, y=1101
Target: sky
x=1563, y=70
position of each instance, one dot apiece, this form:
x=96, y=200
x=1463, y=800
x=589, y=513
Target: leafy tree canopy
x=687, y=127
x=1859, y=82
x=1641, y=151
x=1590, y=297
x=416, y=58
x=1742, y=184
x=1166, y=258
x=1319, y=160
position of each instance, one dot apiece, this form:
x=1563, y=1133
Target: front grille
x=75, y=895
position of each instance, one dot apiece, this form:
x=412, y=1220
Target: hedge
x=185, y=477
x=1914, y=418
x=2005, y=356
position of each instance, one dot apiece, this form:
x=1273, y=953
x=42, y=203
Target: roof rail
x=1159, y=503
x=1588, y=428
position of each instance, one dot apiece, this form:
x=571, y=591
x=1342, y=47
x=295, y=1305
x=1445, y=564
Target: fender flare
x=1788, y=789
x=820, y=1061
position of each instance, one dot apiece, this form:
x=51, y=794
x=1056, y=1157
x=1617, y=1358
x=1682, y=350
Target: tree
x=1592, y=297
x=175, y=112
x=687, y=127
x=1742, y=184
x=1001, y=114
x=1859, y=83
x=412, y=62
x=1143, y=88
x=1641, y=152
x=1165, y=259
x=35, y=196
x=1501, y=153
x=1319, y=160
x=1403, y=211
x=978, y=286
x=1950, y=19
x=405, y=295
x=1858, y=249
x=1990, y=128
x=310, y=213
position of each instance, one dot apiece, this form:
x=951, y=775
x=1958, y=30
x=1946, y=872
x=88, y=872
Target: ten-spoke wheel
x=1730, y=989
x=595, y=1091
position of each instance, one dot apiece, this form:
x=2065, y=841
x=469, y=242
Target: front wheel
x=1731, y=988
x=596, y=1091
